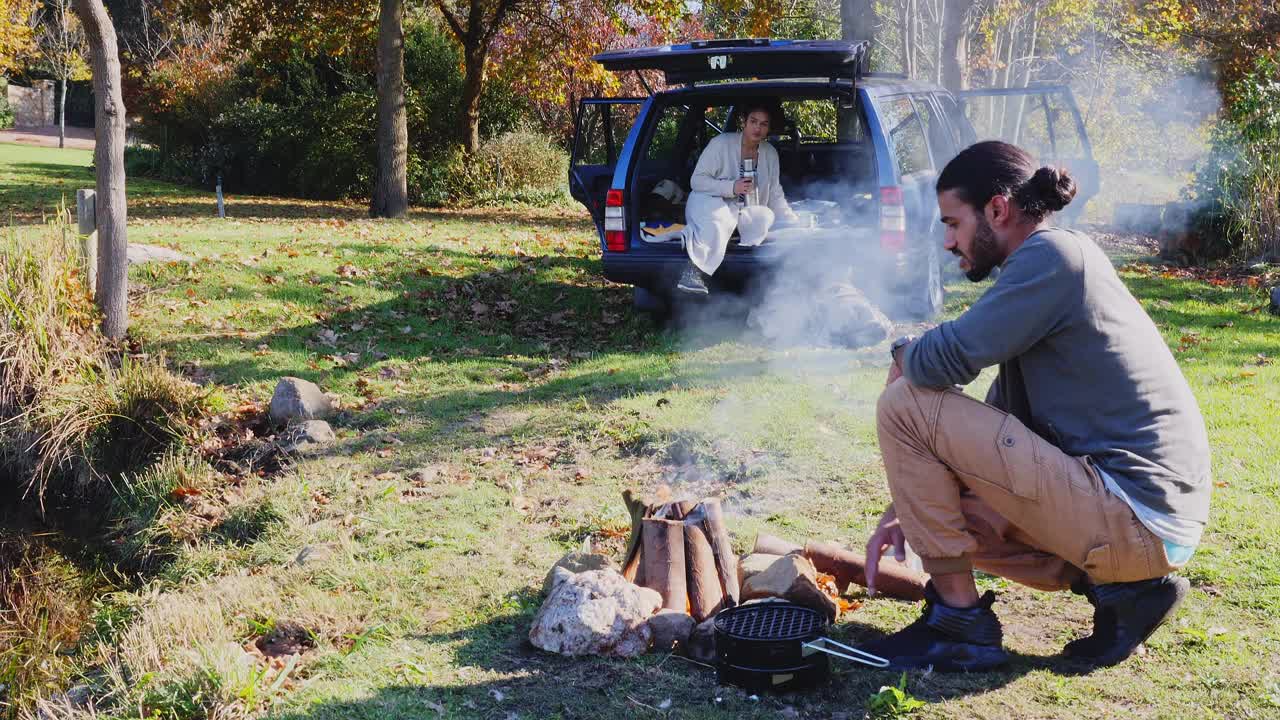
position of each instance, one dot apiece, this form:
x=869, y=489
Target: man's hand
x=895, y=372
x=895, y=368
x=888, y=534
x=743, y=186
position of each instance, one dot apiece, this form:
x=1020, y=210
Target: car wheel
x=655, y=305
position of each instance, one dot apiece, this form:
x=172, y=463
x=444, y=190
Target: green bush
x=523, y=160
x=1237, y=189
x=518, y=166
x=6, y=111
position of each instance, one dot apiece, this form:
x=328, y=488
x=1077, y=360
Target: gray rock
x=670, y=628
x=298, y=399
x=1275, y=300
x=138, y=254
x=702, y=642
x=310, y=554
x=576, y=562
x=597, y=612
x=307, y=436
x=423, y=475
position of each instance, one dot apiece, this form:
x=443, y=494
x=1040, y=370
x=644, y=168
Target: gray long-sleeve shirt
x=1083, y=366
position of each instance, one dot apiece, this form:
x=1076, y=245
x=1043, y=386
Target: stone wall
x=33, y=106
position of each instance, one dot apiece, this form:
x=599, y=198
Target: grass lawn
x=484, y=346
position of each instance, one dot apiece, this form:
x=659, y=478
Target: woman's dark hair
x=990, y=168
x=770, y=107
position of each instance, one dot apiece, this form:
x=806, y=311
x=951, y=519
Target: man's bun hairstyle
x=1047, y=191
x=992, y=167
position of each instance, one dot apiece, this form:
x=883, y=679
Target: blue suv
x=859, y=154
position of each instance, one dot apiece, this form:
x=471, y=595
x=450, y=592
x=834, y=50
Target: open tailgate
x=710, y=60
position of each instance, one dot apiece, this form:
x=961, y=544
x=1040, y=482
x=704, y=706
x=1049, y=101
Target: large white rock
x=597, y=612
x=298, y=399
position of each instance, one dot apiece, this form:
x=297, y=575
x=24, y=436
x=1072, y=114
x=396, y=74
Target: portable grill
x=776, y=647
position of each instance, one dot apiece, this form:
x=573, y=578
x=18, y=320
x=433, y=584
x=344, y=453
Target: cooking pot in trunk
x=777, y=647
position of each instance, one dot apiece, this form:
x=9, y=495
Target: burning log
x=662, y=559
x=895, y=579
x=706, y=594
x=726, y=560
x=638, y=510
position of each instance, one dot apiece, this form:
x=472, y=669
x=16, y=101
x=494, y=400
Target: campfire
x=679, y=572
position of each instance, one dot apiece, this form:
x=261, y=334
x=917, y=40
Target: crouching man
x=1087, y=468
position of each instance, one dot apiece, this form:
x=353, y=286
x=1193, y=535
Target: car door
x=913, y=127
x=600, y=130
x=1043, y=120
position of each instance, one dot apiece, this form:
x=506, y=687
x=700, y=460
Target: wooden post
x=87, y=222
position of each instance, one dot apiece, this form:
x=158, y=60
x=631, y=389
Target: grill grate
x=770, y=621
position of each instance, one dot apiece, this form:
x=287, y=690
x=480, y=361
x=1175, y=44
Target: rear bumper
x=653, y=271
x=657, y=269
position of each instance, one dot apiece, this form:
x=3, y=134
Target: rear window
x=906, y=135
x=684, y=130
x=666, y=134
x=602, y=130
x=961, y=132
x=940, y=142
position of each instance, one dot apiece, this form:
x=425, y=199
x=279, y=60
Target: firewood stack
x=681, y=549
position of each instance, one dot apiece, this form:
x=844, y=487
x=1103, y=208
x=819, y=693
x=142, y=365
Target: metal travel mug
x=749, y=172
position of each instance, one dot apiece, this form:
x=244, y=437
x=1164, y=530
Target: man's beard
x=985, y=254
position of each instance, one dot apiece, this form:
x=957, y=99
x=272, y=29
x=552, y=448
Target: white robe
x=712, y=211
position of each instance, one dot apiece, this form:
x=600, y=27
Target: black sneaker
x=946, y=638
x=1125, y=615
x=691, y=281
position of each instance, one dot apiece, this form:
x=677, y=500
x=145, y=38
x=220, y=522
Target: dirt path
x=77, y=137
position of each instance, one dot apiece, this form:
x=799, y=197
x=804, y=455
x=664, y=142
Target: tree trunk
x=469, y=108
x=108, y=159
x=955, y=45
x=858, y=20
x=391, y=184
x=62, y=115
x=907, y=29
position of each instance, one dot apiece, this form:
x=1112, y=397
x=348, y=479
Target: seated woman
x=723, y=198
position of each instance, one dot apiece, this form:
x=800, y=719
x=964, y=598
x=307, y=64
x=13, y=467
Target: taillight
x=615, y=222
x=893, y=219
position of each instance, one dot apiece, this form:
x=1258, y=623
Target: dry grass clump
x=69, y=411
x=43, y=605
x=46, y=332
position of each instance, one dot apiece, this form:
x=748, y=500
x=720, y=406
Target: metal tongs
x=860, y=656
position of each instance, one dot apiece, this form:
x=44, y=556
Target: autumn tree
x=545, y=52
x=15, y=32
x=475, y=24
x=61, y=45
x=108, y=161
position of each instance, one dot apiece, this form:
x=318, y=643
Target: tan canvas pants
x=974, y=488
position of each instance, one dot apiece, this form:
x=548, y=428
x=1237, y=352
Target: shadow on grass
x=484, y=319
x=157, y=198
x=542, y=684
